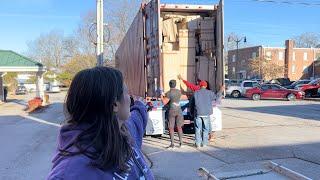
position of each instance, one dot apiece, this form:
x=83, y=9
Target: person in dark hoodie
x=99, y=139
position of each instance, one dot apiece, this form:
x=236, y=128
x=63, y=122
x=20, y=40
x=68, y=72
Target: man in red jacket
x=194, y=88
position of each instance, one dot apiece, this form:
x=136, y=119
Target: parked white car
x=54, y=88
x=237, y=91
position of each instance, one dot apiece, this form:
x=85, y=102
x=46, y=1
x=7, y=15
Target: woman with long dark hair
x=100, y=139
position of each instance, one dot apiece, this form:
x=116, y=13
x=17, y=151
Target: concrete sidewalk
x=253, y=133
x=225, y=163
x=177, y=163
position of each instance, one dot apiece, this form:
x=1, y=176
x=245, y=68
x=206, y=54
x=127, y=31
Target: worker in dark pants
x=175, y=113
x=194, y=88
x=203, y=106
x=5, y=94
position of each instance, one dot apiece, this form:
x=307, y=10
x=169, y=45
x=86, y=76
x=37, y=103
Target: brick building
x=298, y=62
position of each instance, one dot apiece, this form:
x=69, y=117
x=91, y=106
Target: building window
x=294, y=56
x=254, y=55
x=281, y=56
x=234, y=58
x=305, y=56
x=233, y=70
x=268, y=55
x=293, y=69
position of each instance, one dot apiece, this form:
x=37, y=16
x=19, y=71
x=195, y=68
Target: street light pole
x=100, y=48
x=237, y=59
x=313, y=65
x=237, y=40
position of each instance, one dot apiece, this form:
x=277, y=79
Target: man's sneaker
x=180, y=145
x=171, y=146
x=197, y=146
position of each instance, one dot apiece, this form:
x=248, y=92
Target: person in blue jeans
x=203, y=106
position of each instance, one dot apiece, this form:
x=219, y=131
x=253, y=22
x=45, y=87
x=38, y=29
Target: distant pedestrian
x=175, y=113
x=5, y=93
x=203, y=106
x=99, y=139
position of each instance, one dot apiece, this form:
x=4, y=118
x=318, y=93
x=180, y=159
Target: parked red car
x=273, y=91
x=310, y=89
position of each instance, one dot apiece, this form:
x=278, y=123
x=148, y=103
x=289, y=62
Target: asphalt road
x=253, y=132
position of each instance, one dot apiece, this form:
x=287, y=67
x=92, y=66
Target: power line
x=312, y=3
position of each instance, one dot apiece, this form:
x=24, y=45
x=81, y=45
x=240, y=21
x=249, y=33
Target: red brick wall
x=300, y=63
x=288, y=61
x=245, y=54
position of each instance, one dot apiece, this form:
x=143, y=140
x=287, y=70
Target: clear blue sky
x=268, y=24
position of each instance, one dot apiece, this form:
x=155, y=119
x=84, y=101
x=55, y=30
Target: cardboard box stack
x=180, y=57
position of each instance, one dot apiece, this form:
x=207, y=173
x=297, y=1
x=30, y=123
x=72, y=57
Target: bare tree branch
x=265, y=68
x=307, y=40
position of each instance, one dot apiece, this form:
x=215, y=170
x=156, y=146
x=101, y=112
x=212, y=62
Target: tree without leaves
x=84, y=37
x=267, y=69
x=307, y=40
x=72, y=54
x=70, y=47
x=119, y=16
x=52, y=49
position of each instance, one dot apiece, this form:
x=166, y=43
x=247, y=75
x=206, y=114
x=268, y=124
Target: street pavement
x=28, y=140
x=253, y=133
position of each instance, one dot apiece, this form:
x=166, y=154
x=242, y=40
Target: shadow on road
x=298, y=111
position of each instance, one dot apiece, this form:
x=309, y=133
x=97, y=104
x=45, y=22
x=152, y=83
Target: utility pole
x=100, y=35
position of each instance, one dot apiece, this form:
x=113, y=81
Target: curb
x=312, y=99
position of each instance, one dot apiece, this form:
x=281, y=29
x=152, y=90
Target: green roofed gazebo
x=13, y=62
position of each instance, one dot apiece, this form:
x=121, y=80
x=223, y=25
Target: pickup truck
x=310, y=89
x=237, y=91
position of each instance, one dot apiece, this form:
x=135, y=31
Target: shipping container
x=166, y=40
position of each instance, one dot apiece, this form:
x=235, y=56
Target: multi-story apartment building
x=298, y=63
